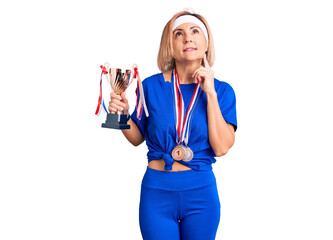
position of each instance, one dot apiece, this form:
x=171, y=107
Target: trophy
x=119, y=79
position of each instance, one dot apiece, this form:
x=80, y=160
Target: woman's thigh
x=200, y=213
x=158, y=214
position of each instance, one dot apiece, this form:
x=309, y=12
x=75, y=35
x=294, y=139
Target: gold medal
x=189, y=155
x=178, y=153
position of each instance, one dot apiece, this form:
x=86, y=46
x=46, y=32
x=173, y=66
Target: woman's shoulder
x=153, y=78
x=222, y=86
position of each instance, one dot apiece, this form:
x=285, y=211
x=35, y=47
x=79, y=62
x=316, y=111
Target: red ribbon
x=135, y=72
x=104, y=71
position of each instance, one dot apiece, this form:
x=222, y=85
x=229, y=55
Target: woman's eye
x=177, y=34
x=195, y=31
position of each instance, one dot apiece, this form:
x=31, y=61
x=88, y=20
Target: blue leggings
x=179, y=205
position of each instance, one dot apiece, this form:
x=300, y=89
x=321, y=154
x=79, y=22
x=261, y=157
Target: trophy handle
x=107, y=67
x=134, y=71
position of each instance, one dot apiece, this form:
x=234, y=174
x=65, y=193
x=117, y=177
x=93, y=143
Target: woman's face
x=189, y=43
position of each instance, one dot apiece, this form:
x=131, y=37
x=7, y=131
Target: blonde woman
x=192, y=119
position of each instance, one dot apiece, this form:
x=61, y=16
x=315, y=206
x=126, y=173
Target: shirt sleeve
x=142, y=123
x=227, y=102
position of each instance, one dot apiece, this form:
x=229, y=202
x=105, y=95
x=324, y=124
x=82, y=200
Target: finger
x=115, y=107
x=113, y=95
x=123, y=96
x=112, y=109
x=196, y=71
x=200, y=74
x=197, y=76
x=118, y=103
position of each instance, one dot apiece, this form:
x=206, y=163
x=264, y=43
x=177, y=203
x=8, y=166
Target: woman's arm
x=221, y=134
x=133, y=134
x=120, y=103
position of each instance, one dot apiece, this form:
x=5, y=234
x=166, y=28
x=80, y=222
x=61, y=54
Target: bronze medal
x=189, y=155
x=178, y=153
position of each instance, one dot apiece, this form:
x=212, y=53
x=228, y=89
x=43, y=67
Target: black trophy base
x=112, y=121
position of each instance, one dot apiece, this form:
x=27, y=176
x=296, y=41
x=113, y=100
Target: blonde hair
x=165, y=59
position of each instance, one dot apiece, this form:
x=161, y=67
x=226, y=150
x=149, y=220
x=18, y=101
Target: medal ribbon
x=140, y=97
x=183, y=120
x=100, y=98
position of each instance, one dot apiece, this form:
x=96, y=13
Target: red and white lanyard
x=183, y=120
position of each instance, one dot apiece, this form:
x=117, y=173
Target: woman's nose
x=188, y=38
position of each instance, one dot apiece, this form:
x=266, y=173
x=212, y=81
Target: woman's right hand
x=118, y=103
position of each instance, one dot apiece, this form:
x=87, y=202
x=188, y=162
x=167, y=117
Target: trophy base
x=112, y=121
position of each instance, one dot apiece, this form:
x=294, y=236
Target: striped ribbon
x=140, y=97
x=100, y=98
x=183, y=120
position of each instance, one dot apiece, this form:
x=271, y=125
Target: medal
x=183, y=119
x=178, y=153
x=189, y=155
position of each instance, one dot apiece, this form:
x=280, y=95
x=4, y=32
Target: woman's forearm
x=133, y=134
x=221, y=134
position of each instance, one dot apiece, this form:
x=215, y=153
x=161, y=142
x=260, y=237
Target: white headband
x=190, y=19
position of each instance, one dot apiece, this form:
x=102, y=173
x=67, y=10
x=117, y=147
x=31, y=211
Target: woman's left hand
x=205, y=75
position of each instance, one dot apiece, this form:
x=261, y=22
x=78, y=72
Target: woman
x=192, y=119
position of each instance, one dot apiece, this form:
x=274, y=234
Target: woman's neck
x=186, y=70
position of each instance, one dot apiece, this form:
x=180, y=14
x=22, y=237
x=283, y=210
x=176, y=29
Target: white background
x=64, y=177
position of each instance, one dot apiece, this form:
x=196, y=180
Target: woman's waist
x=159, y=164
x=156, y=154
x=177, y=180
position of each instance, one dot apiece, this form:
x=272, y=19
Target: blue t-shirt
x=159, y=128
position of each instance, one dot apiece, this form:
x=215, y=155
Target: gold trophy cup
x=119, y=79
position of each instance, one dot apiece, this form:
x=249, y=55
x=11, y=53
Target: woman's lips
x=189, y=49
